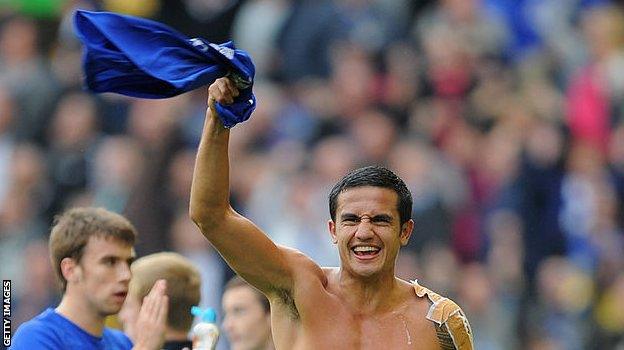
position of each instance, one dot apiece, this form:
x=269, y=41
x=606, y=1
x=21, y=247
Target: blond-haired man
x=183, y=290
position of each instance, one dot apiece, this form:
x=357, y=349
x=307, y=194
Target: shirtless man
x=361, y=305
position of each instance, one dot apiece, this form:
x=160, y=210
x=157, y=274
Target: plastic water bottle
x=206, y=332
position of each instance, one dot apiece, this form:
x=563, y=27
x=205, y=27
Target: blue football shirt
x=50, y=330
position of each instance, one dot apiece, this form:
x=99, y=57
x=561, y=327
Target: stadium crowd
x=503, y=117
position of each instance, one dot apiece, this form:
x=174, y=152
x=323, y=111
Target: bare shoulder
x=302, y=265
x=451, y=324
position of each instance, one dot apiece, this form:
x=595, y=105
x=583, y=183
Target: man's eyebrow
x=382, y=217
x=117, y=257
x=110, y=257
x=349, y=216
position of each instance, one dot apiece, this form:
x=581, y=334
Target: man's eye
x=238, y=311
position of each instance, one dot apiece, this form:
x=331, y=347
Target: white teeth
x=365, y=249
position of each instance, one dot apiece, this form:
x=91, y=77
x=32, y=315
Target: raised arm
x=243, y=245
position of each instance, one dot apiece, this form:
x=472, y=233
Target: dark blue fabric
x=50, y=330
x=138, y=57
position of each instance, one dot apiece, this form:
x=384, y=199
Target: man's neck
x=369, y=295
x=76, y=311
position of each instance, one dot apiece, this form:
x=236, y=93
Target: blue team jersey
x=50, y=330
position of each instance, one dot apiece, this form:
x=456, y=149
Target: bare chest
x=332, y=325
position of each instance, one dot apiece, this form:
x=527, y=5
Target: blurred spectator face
x=439, y=267
x=544, y=144
x=16, y=212
x=475, y=289
x=27, y=168
x=333, y=158
x=74, y=121
x=246, y=324
x=151, y=121
x=402, y=81
x=449, y=62
x=418, y=170
x=500, y=154
x=102, y=276
x=460, y=10
x=603, y=28
x=461, y=144
x=374, y=133
x=352, y=80
x=317, y=98
x=118, y=163
x=18, y=41
x=563, y=286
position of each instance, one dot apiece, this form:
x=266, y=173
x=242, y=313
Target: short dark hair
x=238, y=282
x=376, y=176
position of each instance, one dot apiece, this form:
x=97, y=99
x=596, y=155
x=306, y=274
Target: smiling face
x=102, y=275
x=368, y=230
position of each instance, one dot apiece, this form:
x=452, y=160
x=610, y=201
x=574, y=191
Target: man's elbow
x=207, y=219
x=198, y=215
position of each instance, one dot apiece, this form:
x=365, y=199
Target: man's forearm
x=210, y=188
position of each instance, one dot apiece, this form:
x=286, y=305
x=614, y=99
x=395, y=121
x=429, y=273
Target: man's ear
x=70, y=270
x=406, y=232
x=332, y=230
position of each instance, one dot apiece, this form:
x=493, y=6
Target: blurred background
x=504, y=117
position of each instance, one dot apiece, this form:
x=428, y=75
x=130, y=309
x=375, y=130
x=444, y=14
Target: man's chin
x=111, y=309
x=366, y=271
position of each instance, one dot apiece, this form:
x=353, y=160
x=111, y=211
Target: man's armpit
x=285, y=298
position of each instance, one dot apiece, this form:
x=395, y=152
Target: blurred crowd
x=505, y=119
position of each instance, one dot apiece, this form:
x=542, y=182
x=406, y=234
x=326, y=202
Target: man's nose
x=124, y=272
x=364, y=230
x=227, y=324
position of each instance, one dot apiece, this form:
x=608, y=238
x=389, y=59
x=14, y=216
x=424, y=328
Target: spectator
x=247, y=321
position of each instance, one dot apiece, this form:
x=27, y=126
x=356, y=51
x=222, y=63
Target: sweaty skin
x=361, y=305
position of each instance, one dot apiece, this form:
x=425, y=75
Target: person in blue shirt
x=91, y=250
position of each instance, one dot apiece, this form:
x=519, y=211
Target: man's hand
x=152, y=320
x=223, y=91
